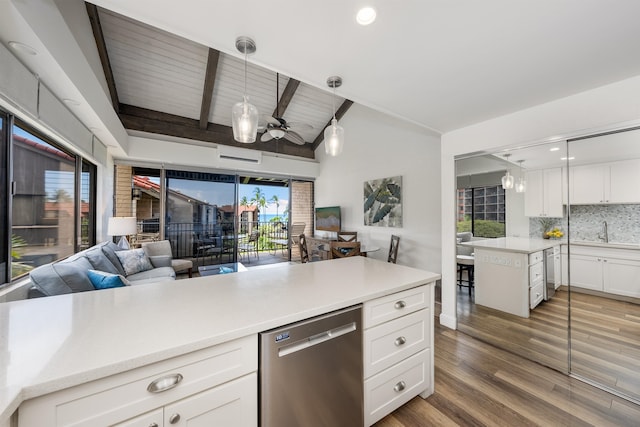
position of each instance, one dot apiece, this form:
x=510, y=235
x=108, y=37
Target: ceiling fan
x=277, y=127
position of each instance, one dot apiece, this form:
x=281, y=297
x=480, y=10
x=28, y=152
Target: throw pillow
x=104, y=280
x=134, y=261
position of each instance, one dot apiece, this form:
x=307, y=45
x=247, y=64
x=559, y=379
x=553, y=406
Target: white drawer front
x=150, y=419
x=390, y=389
x=536, y=272
x=535, y=257
x=391, y=342
x=393, y=306
x=536, y=294
x=123, y=396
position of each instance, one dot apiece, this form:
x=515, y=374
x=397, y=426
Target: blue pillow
x=104, y=280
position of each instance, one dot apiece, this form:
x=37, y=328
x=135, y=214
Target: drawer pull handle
x=174, y=418
x=399, y=341
x=399, y=387
x=153, y=425
x=400, y=304
x=164, y=383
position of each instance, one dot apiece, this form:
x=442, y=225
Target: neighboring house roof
x=43, y=147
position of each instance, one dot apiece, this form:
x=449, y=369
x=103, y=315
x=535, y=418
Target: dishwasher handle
x=316, y=339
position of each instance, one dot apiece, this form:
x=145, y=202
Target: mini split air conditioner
x=226, y=153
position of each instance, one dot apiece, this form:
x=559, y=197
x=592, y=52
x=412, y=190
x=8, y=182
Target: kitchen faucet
x=605, y=232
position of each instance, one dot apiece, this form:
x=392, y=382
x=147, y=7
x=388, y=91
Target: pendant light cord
x=245, y=70
x=334, y=100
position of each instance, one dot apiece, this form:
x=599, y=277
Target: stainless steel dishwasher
x=311, y=372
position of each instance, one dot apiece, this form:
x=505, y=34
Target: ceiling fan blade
x=271, y=120
x=294, y=137
x=266, y=137
x=299, y=126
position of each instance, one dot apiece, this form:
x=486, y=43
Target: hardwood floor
x=605, y=336
x=477, y=384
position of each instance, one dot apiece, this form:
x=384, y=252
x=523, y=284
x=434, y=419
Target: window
x=481, y=210
x=49, y=209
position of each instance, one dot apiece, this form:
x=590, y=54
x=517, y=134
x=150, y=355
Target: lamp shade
x=507, y=181
x=244, y=119
x=122, y=226
x=333, y=138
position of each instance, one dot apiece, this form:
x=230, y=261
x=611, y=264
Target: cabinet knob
x=174, y=418
x=399, y=386
x=400, y=304
x=164, y=383
x=400, y=341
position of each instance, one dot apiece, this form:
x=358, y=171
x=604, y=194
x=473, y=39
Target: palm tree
x=259, y=200
x=274, y=199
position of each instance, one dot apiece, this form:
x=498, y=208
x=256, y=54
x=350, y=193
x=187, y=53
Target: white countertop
x=48, y=344
x=514, y=244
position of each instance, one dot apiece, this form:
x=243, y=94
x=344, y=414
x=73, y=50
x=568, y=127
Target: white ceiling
x=442, y=64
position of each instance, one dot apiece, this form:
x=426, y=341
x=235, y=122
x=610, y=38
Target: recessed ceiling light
x=366, y=15
x=570, y=158
x=554, y=149
x=22, y=48
x=70, y=101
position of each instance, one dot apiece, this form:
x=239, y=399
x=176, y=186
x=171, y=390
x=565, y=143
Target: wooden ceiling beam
x=144, y=120
x=209, y=82
x=285, y=99
x=341, y=112
x=98, y=35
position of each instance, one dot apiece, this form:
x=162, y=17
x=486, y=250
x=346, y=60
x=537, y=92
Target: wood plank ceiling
x=161, y=83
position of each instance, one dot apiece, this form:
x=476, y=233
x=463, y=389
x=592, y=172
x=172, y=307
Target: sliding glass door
x=200, y=216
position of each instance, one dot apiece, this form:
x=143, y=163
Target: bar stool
x=465, y=263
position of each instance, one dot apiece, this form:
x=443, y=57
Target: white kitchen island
x=509, y=273
x=114, y=343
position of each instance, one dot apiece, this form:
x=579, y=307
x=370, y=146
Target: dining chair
x=344, y=249
x=393, y=249
x=347, y=236
x=251, y=245
x=302, y=244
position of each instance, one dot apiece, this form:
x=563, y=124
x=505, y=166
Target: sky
x=269, y=191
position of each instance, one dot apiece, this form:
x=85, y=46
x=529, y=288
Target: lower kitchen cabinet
x=231, y=404
x=611, y=270
x=213, y=386
x=398, y=350
x=621, y=277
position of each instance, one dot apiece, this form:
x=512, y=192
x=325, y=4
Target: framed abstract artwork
x=383, y=202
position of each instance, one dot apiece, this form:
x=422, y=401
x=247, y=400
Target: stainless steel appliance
x=311, y=372
x=552, y=271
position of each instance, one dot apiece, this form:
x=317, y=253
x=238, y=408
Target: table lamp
x=122, y=226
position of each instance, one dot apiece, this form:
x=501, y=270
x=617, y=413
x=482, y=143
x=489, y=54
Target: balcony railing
x=186, y=237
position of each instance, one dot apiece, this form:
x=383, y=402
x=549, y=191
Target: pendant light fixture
x=244, y=116
x=334, y=133
x=507, y=179
x=521, y=185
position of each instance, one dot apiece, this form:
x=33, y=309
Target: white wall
x=380, y=146
x=609, y=107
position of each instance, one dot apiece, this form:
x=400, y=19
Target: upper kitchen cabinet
x=605, y=183
x=543, y=196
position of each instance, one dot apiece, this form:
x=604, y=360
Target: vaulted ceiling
x=164, y=84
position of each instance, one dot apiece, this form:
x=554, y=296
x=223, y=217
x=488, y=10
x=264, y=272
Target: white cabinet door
x=621, y=277
x=231, y=404
x=552, y=179
x=544, y=193
x=534, y=196
x=586, y=272
x=625, y=177
x=587, y=184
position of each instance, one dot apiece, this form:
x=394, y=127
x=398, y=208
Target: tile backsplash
x=623, y=223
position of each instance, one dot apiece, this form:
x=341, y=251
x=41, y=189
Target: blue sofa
x=72, y=274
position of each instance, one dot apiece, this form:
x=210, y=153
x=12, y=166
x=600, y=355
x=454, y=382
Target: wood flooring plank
x=477, y=384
